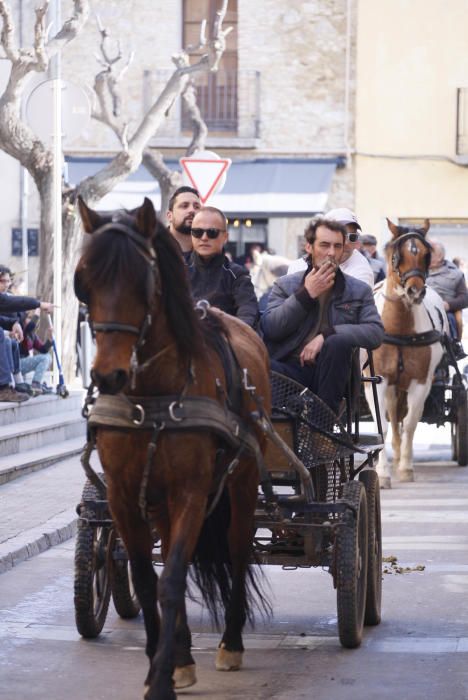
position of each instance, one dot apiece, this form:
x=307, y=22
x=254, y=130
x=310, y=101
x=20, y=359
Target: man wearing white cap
x=353, y=262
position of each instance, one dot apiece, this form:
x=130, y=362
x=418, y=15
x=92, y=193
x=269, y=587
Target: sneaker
x=37, y=388
x=46, y=389
x=24, y=388
x=9, y=394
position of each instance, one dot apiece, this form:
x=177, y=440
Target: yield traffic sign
x=206, y=172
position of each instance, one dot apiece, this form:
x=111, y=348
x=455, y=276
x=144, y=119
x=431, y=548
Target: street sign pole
x=57, y=197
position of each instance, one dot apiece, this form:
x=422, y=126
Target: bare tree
x=17, y=139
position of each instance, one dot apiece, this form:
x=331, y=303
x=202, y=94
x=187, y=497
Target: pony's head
x=132, y=278
x=409, y=257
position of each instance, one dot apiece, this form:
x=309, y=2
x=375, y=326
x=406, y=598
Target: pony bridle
x=396, y=256
x=146, y=250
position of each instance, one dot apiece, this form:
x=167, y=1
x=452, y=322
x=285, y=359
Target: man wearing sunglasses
x=213, y=277
x=183, y=205
x=315, y=318
x=352, y=262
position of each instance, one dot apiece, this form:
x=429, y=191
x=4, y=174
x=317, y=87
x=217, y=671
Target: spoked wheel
x=351, y=566
x=92, y=576
x=123, y=594
x=460, y=434
x=372, y=613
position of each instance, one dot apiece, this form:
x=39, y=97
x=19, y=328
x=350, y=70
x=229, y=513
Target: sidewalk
x=37, y=511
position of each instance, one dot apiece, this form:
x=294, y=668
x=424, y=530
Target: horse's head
x=409, y=258
x=118, y=278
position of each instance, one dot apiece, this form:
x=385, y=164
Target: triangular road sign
x=205, y=174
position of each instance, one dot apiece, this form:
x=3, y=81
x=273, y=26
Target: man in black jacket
x=213, y=277
x=183, y=205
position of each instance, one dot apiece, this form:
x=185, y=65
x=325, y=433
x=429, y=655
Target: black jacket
x=11, y=305
x=225, y=285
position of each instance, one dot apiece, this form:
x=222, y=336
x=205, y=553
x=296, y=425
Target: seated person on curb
x=315, y=318
x=449, y=282
x=10, y=320
x=213, y=277
x=37, y=363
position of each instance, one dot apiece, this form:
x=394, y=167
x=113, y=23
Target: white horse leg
x=383, y=466
x=416, y=397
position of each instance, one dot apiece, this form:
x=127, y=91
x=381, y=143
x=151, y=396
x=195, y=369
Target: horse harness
x=409, y=235
x=168, y=413
x=416, y=339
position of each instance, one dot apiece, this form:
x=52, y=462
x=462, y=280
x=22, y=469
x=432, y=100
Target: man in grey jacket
x=315, y=318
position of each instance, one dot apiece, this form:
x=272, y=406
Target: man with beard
x=314, y=318
x=183, y=205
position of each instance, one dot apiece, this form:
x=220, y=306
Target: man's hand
x=47, y=306
x=17, y=332
x=321, y=279
x=311, y=350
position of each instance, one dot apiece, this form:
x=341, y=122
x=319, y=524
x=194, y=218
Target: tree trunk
x=45, y=283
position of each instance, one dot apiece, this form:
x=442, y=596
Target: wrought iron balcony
x=229, y=102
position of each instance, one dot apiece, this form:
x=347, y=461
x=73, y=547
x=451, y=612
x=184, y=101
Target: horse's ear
x=90, y=218
x=146, y=218
x=426, y=227
x=393, y=228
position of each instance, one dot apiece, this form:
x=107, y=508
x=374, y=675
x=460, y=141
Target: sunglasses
x=352, y=237
x=210, y=232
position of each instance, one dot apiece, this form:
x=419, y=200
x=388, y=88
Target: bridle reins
x=396, y=257
x=146, y=250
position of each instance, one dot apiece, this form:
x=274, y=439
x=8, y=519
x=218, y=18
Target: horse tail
x=212, y=568
x=402, y=404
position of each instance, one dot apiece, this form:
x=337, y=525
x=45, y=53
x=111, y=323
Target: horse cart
x=447, y=402
x=318, y=506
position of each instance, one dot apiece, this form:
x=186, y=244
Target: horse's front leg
x=383, y=465
x=243, y=498
x=184, y=672
x=185, y=528
x=416, y=397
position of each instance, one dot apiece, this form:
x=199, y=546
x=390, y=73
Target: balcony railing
x=229, y=102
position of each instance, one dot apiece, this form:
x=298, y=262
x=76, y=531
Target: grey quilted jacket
x=291, y=314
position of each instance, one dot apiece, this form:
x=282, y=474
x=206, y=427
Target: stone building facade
x=295, y=66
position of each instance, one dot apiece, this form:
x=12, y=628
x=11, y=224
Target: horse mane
x=110, y=258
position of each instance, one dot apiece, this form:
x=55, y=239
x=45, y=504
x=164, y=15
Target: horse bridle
x=396, y=257
x=146, y=250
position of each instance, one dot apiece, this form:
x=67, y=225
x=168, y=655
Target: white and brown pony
x=266, y=269
x=415, y=321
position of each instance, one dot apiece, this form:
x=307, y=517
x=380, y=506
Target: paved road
x=419, y=651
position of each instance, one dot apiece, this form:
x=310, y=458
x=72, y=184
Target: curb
x=28, y=544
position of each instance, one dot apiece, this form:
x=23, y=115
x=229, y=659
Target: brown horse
x=414, y=320
x=152, y=343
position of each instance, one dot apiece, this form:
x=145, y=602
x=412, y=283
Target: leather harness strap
x=416, y=340
x=190, y=413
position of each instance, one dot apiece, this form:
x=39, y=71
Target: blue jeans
x=37, y=364
x=328, y=376
x=12, y=349
x=5, y=372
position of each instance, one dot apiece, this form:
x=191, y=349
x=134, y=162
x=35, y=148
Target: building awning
x=260, y=188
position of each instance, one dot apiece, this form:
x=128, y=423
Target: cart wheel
x=92, y=581
x=123, y=594
x=461, y=429
x=453, y=435
x=372, y=614
x=351, y=566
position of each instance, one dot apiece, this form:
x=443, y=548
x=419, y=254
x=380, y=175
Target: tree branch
x=199, y=128
x=70, y=28
x=40, y=36
x=7, y=37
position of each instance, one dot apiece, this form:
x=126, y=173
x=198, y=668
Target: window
x=216, y=92
x=17, y=242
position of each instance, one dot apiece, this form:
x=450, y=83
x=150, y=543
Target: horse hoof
x=228, y=660
x=406, y=475
x=184, y=676
x=385, y=482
